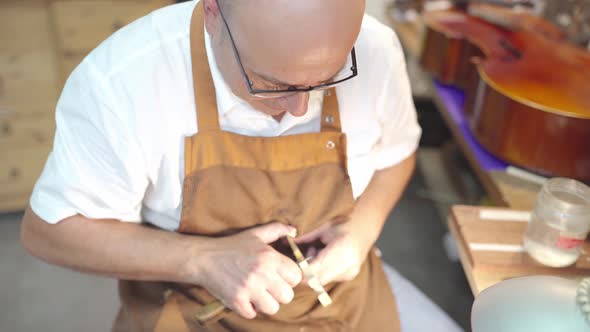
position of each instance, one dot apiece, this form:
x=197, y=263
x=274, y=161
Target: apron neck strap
x=330, y=113
x=204, y=89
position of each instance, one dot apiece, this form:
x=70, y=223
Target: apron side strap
x=207, y=116
x=330, y=112
x=204, y=89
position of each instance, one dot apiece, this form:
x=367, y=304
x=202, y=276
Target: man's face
x=286, y=43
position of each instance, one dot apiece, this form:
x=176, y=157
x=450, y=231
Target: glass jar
x=559, y=223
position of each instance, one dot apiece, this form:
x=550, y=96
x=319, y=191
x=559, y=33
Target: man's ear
x=212, y=17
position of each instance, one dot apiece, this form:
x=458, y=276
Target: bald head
x=294, y=42
x=307, y=35
x=228, y=6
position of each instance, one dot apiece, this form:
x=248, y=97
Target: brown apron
x=233, y=182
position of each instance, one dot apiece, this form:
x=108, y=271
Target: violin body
x=527, y=90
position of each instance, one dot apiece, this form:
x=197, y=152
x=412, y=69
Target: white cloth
x=417, y=313
x=125, y=110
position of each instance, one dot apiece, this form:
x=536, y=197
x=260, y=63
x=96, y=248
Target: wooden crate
x=24, y=18
x=25, y=131
x=490, y=246
x=82, y=25
x=28, y=82
x=19, y=170
x=29, y=88
x=68, y=62
x=28, y=68
x=42, y=41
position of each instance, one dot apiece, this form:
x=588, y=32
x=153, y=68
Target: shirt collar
x=226, y=99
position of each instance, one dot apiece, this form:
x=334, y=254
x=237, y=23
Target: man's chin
x=262, y=107
x=283, y=112
x=274, y=111
x=298, y=114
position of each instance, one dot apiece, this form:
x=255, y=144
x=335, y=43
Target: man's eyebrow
x=279, y=82
x=271, y=79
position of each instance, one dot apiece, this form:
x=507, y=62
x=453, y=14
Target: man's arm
x=374, y=205
x=348, y=241
x=241, y=270
x=112, y=248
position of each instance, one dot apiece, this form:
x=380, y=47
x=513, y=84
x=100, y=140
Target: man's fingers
x=311, y=252
x=281, y=291
x=244, y=308
x=273, y=231
x=322, y=265
x=265, y=303
x=313, y=235
x=289, y=272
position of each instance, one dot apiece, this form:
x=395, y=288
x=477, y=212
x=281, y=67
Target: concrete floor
x=39, y=297
x=412, y=242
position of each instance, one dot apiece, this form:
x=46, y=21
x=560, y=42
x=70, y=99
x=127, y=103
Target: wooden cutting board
x=490, y=246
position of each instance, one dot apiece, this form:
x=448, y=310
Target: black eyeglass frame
x=257, y=92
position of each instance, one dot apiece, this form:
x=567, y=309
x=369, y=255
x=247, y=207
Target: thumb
x=320, y=265
x=273, y=231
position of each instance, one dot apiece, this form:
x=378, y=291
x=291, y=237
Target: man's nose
x=297, y=103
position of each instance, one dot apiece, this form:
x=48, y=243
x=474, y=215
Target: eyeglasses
x=343, y=75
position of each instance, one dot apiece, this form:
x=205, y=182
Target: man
x=263, y=156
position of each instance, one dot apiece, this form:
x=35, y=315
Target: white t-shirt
x=125, y=110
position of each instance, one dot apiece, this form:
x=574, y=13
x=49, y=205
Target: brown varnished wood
x=527, y=92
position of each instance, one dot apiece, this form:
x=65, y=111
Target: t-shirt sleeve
x=395, y=111
x=95, y=168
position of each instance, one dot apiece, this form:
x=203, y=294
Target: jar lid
x=567, y=195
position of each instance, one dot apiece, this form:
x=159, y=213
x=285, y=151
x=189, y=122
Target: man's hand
x=342, y=256
x=246, y=273
x=348, y=241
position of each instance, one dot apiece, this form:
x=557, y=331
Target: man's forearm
x=112, y=248
x=374, y=205
x=132, y=251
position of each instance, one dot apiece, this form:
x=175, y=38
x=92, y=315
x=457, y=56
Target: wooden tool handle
x=209, y=311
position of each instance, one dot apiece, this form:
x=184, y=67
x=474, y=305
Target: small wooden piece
x=209, y=311
x=312, y=280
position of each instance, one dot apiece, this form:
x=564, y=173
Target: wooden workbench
x=489, y=241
